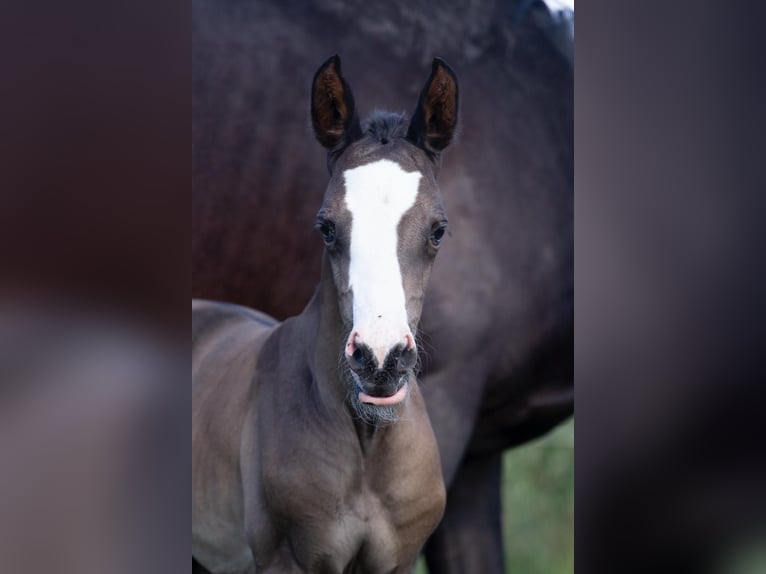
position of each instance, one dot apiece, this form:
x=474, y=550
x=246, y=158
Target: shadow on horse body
x=497, y=322
x=312, y=449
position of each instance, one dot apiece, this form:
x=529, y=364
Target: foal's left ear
x=333, y=113
x=434, y=122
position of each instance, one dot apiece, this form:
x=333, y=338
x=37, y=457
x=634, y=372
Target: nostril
x=409, y=342
x=407, y=359
x=361, y=358
x=351, y=346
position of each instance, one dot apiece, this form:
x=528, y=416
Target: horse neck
x=322, y=338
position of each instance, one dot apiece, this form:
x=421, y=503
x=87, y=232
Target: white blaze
x=378, y=195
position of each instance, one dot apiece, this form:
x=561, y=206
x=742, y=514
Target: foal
x=311, y=446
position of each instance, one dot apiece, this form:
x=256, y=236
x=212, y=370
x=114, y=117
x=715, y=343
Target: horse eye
x=327, y=229
x=437, y=235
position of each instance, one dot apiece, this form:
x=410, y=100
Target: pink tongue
x=394, y=399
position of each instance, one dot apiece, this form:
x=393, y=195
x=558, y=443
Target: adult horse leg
x=471, y=442
x=469, y=538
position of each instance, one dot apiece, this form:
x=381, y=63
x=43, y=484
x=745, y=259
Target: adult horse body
x=497, y=320
x=312, y=450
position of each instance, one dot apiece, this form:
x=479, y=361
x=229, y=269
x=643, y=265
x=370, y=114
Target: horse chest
x=364, y=536
x=354, y=524
x=397, y=524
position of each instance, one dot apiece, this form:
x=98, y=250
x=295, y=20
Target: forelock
x=382, y=126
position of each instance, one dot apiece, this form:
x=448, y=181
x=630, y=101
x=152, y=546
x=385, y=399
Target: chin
x=375, y=415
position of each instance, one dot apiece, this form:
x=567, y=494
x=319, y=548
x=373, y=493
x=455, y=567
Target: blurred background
x=538, y=504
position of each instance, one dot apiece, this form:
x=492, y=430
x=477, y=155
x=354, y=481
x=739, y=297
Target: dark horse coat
x=312, y=450
x=497, y=322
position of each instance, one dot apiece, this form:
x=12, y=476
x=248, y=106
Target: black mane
x=384, y=126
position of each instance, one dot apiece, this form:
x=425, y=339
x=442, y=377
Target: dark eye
x=327, y=229
x=438, y=234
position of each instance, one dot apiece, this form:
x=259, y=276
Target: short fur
x=292, y=471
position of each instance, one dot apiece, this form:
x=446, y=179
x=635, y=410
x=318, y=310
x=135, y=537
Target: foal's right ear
x=333, y=114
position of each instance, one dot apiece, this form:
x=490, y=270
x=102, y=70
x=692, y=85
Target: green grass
x=538, y=505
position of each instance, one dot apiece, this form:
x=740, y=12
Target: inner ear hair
x=434, y=122
x=333, y=113
x=441, y=110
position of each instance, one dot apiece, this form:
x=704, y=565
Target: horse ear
x=333, y=113
x=434, y=122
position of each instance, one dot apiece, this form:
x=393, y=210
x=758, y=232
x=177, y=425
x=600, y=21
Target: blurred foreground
x=94, y=424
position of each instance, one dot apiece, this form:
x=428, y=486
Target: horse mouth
x=378, y=399
x=388, y=401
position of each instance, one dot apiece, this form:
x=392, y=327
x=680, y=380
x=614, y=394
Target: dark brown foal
x=312, y=450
